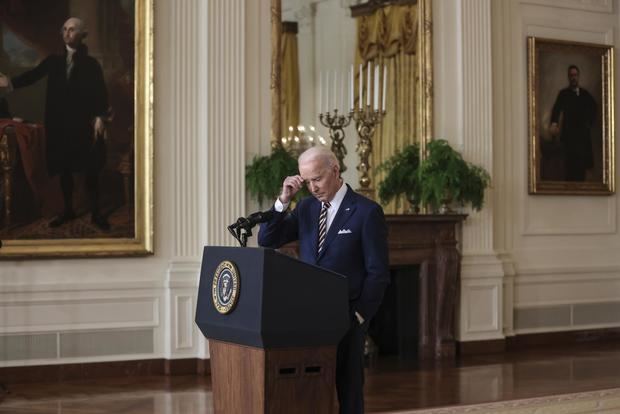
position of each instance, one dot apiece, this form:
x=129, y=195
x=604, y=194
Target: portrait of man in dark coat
x=572, y=118
x=76, y=108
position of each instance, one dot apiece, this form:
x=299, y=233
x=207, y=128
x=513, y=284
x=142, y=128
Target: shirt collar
x=338, y=197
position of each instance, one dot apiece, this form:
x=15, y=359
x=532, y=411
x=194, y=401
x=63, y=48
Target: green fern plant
x=401, y=175
x=264, y=175
x=445, y=176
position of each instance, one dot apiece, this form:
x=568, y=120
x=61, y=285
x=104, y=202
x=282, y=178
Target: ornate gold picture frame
x=97, y=201
x=571, y=117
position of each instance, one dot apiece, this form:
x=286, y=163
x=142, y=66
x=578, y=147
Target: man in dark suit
x=76, y=105
x=572, y=118
x=342, y=231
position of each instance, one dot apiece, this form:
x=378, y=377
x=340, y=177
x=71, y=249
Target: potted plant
x=401, y=177
x=445, y=177
x=264, y=176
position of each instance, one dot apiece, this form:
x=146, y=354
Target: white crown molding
x=598, y=6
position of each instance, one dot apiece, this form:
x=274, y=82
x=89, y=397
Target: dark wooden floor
x=390, y=385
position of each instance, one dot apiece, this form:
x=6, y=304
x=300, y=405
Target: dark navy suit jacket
x=355, y=245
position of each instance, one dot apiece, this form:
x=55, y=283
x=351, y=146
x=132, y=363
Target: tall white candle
x=351, y=75
x=361, y=77
x=321, y=92
x=326, y=92
x=375, y=92
x=385, y=73
x=368, y=86
x=335, y=92
x=343, y=82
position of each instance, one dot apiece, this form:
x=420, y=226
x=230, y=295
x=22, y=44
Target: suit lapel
x=346, y=210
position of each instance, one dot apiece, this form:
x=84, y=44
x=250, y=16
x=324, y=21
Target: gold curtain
x=389, y=37
x=289, y=92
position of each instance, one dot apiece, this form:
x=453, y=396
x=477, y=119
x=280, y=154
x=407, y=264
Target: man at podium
x=340, y=230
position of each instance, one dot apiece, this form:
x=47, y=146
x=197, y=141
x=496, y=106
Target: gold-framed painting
x=76, y=131
x=571, y=117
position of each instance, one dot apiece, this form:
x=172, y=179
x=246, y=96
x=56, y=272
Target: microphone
x=259, y=217
x=252, y=220
x=246, y=224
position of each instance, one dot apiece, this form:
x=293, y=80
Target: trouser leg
x=350, y=370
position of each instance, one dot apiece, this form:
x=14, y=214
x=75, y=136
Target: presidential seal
x=225, y=289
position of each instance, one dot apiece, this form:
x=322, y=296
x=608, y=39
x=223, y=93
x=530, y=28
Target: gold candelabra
x=366, y=122
x=300, y=139
x=336, y=124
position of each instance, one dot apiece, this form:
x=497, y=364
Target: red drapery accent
x=31, y=143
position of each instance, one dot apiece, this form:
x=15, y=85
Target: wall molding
x=597, y=6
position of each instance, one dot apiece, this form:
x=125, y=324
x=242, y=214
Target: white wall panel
x=545, y=216
x=185, y=310
x=63, y=315
x=563, y=248
x=483, y=304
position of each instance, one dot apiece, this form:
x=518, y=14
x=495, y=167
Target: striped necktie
x=323, y=225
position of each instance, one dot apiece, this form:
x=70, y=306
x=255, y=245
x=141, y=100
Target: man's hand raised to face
x=290, y=187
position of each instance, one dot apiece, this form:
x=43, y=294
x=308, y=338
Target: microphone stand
x=241, y=230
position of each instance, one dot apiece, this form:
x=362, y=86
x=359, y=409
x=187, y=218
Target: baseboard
x=492, y=346
x=94, y=370
x=525, y=341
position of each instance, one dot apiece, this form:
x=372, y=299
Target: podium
x=273, y=325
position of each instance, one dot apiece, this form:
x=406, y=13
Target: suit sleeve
x=33, y=75
x=375, y=250
x=282, y=228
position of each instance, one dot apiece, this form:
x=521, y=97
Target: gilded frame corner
x=139, y=243
x=556, y=166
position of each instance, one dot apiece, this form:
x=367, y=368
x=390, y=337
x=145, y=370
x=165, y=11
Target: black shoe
x=101, y=222
x=62, y=219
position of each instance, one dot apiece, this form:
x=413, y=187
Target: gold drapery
x=389, y=37
x=289, y=91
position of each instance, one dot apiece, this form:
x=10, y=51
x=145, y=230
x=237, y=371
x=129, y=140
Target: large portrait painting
x=571, y=117
x=75, y=128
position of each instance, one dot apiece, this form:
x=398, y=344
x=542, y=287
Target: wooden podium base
x=278, y=380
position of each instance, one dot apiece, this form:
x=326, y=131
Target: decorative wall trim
x=185, y=309
x=479, y=296
x=567, y=316
x=477, y=113
x=46, y=315
x=185, y=116
x=581, y=227
x=226, y=112
x=478, y=266
x=599, y=6
x=562, y=274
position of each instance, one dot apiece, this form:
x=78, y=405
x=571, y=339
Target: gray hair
x=320, y=153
